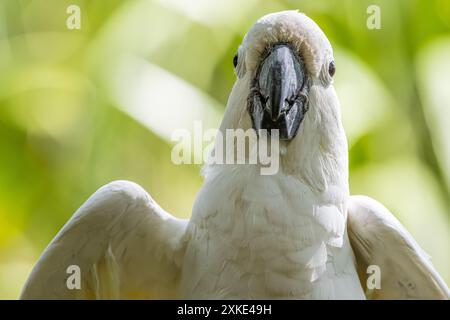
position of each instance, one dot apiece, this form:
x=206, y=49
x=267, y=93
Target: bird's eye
x=332, y=68
x=235, y=60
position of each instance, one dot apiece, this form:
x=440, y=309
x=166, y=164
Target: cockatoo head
x=284, y=55
x=284, y=69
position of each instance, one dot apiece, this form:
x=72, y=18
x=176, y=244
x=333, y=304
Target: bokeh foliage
x=80, y=108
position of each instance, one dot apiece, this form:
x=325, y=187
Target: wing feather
x=124, y=244
x=378, y=238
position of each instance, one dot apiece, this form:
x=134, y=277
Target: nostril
x=289, y=103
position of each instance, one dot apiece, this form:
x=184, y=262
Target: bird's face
x=285, y=69
x=282, y=57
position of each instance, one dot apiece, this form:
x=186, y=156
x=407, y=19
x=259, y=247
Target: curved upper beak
x=279, y=94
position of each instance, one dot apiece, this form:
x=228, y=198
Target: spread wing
x=378, y=238
x=120, y=243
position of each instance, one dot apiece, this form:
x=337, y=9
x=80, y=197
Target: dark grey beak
x=278, y=98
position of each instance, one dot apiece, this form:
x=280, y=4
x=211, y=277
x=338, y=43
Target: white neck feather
x=318, y=155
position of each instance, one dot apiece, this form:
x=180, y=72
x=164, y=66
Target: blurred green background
x=80, y=108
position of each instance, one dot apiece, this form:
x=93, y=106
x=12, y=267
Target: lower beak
x=278, y=98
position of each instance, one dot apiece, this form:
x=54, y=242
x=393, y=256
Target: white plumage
x=288, y=235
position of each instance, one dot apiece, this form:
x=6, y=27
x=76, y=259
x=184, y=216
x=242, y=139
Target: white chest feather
x=256, y=236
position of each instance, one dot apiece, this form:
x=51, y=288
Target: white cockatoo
x=294, y=234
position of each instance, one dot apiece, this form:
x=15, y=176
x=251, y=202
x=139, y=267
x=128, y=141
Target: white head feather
x=318, y=154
